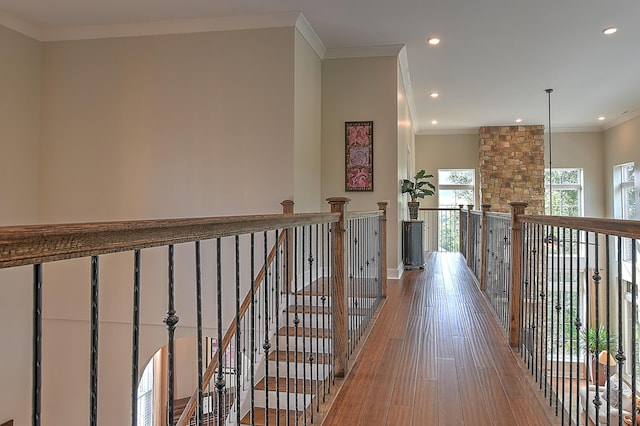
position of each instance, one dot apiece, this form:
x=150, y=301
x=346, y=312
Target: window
x=145, y=397
x=455, y=187
x=564, y=187
x=625, y=200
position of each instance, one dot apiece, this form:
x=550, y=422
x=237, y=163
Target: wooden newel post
x=382, y=205
x=340, y=280
x=468, y=254
x=287, y=209
x=483, y=245
x=517, y=208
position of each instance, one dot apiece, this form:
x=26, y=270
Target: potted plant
x=593, y=341
x=417, y=188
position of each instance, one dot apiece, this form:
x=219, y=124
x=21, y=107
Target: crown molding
x=184, y=26
x=626, y=117
x=20, y=25
x=310, y=35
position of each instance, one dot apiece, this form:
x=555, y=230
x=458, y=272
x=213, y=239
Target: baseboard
x=395, y=274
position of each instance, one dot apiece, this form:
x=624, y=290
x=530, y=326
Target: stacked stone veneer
x=512, y=167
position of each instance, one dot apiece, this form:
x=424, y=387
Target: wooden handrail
x=363, y=214
x=27, y=245
x=618, y=227
x=9, y=423
x=226, y=341
x=440, y=209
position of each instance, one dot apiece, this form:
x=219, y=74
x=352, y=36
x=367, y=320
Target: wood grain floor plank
x=436, y=356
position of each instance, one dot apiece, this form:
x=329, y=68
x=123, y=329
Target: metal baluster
x=277, y=315
x=316, y=309
x=288, y=296
x=253, y=334
x=578, y=321
x=238, y=366
x=220, y=380
x=266, y=345
x=544, y=285
x=588, y=307
x=564, y=316
x=171, y=320
x=558, y=309
x=296, y=319
x=304, y=332
x=199, y=418
x=608, y=320
x=634, y=322
x=37, y=345
x=323, y=309
x=135, y=350
x=93, y=413
x=620, y=356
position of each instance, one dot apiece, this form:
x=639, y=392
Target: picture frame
x=358, y=137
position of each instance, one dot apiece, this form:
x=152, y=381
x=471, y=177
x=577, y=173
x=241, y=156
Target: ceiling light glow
x=518, y=120
x=610, y=30
x=433, y=41
x=434, y=95
x=434, y=121
x=601, y=118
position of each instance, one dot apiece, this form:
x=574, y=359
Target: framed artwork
x=358, y=137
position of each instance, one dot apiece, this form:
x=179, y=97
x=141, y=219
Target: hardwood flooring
x=436, y=356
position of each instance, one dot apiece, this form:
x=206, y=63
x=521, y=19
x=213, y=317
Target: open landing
x=436, y=356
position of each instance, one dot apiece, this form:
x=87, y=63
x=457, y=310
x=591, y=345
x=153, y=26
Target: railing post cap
x=485, y=206
x=515, y=204
x=287, y=203
x=383, y=204
x=338, y=200
x=470, y=206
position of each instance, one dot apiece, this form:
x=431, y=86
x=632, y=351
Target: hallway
x=437, y=357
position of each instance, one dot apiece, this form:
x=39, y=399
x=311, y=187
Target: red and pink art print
x=359, y=155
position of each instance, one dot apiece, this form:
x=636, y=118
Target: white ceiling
x=495, y=61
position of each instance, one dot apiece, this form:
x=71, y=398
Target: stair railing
x=571, y=309
x=225, y=253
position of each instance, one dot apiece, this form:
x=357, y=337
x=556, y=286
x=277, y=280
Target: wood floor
x=437, y=357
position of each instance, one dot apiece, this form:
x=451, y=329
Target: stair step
x=306, y=386
x=319, y=358
x=259, y=419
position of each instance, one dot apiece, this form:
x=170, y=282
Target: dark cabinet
x=412, y=244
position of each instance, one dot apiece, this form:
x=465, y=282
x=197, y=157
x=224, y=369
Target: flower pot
x=413, y=210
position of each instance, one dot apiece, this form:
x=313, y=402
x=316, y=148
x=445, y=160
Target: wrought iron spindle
x=37, y=345
x=93, y=413
x=267, y=344
x=200, y=413
x=277, y=326
x=220, y=381
x=252, y=392
x=135, y=345
x=238, y=366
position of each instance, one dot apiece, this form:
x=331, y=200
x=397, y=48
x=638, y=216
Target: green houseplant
x=593, y=341
x=419, y=187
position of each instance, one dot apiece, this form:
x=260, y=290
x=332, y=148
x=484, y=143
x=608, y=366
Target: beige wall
x=166, y=126
x=454, y=151
x=20, y=77
x=362, y=89
x=621, y=145
x=155, y=127
x=582, y=150
x=307, y=122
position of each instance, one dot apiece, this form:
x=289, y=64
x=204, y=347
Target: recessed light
x=610, y=30
x=434, y=121
x=434, y=95
x=433, y=41
x=518, y=120
x=601, y=118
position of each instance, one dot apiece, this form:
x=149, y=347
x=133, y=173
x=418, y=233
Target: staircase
x=302, y=353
